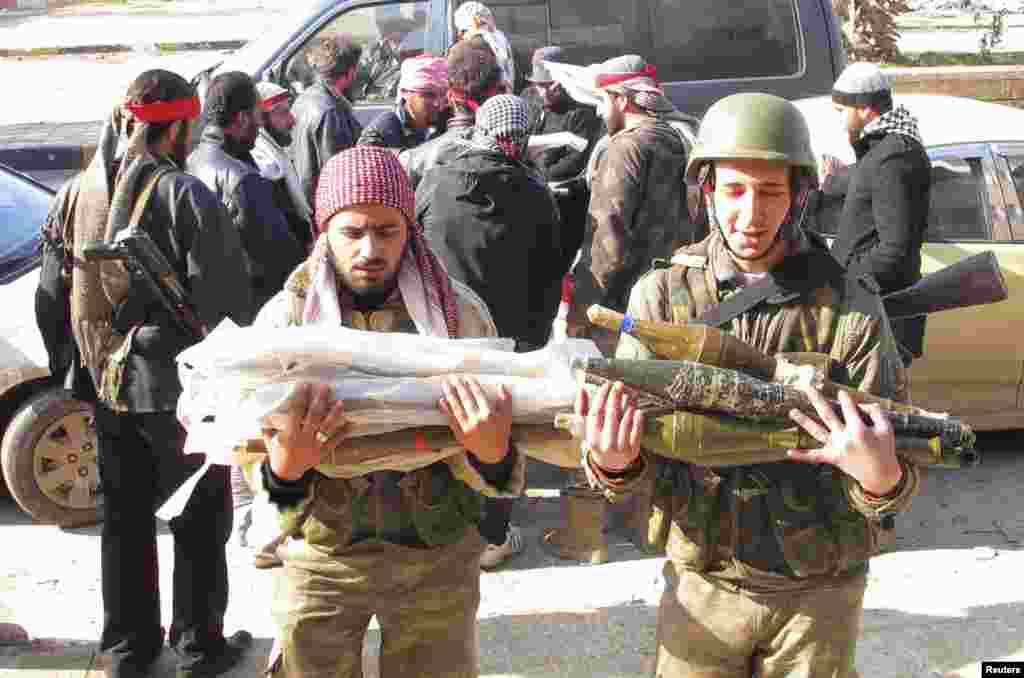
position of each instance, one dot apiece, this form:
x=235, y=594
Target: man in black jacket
x=223, y=161
x=324, y=121
x=495, y=225
x=886, y=208
x=492, y=220
x=128, y=341
x=422, y=95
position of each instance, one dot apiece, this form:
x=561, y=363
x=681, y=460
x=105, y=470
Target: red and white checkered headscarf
x=423, y=74
x=370, y=175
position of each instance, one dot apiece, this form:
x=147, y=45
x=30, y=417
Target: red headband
x=609, y=79
x=268, y=104
x=166, y=111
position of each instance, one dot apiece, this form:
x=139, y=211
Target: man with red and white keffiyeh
x=402, y=546
x=638, y=206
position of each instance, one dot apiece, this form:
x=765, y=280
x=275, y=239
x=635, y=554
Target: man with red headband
x=422, y=96
x=128, y=341
x=638, y=197
x=271, y=156
x=637, y=213
x=473, y=77
x=402, y=546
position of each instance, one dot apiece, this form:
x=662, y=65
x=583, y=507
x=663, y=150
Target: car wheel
x=51, y=461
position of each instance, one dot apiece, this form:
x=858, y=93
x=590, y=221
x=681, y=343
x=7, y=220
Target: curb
x=161, y=47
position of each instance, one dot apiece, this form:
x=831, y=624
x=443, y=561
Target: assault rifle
x=147, y=264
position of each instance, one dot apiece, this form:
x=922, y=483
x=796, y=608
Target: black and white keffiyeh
x=503, y=125
x=896, y=121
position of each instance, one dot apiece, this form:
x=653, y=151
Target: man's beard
x=281, y=137
x=558, y=102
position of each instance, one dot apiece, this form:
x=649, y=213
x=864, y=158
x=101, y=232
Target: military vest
x=783, y=518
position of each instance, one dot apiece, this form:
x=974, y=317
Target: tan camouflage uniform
x=637, y=213
x=406, y=550
x=767, y=563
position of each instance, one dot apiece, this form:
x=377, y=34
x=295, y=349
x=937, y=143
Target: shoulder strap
x=750, y=296
x=143, y=199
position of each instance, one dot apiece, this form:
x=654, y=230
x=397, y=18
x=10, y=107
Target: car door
x=1009, y=162
x=972, y=357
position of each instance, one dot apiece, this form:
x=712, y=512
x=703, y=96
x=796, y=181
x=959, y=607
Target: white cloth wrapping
x=539, y=143
x=240, y=380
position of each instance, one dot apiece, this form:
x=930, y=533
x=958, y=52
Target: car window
x=1016, y=163
x=684, y=39
x=23, y=209
x=959, y=207
x=711, y=40
x=389, y=34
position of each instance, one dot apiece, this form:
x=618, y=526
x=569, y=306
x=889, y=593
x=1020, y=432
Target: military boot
x=582, y=538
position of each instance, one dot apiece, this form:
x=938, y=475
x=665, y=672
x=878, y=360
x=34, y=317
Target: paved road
x=949, y=596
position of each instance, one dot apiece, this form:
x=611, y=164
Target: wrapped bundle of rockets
x=709, y=399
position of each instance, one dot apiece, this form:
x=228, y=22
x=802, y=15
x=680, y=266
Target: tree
x=869, y=27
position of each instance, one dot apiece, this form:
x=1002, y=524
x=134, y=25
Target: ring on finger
x=323, y=437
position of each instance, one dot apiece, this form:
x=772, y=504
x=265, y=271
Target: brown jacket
x=637, y=214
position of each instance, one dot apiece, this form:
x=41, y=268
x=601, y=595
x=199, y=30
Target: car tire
x=50, y=459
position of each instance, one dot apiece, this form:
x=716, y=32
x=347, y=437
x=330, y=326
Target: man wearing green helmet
x=767, y=563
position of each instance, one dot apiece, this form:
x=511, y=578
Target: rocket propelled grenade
x=718, y=411
x=711, y=346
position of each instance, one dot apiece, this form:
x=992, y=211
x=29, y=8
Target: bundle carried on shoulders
x=241, y=381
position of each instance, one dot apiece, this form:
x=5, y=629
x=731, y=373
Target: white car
x=48, y=451
x=973, y=364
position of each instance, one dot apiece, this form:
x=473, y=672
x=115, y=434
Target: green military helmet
x=752, y=126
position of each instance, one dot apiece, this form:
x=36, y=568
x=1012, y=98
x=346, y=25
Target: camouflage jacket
x=779, y=525
x=637, y=213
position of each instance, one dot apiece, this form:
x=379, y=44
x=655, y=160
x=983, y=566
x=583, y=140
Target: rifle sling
x=719, y=315
x=123, y=315
x=797, y=276
x=143, y=200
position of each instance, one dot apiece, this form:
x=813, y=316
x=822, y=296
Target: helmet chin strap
x=801, y=189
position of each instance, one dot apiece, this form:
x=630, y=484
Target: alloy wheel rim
x=66, y=462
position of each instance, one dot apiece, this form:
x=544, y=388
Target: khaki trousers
x=425, y=601
x=709, y=630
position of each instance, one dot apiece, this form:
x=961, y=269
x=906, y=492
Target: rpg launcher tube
x=719, y=441
x=694, y=387
x=711, y=346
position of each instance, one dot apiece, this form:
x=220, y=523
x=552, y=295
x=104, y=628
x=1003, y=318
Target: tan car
x=973, y=364
x=48, y=451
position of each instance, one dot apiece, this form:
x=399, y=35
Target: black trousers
x=142, y=462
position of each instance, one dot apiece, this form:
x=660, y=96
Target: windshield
x=257, y=52
x=23, y=209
